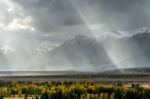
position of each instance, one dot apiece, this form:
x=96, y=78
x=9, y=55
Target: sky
x=62, y=19
x=27, y=23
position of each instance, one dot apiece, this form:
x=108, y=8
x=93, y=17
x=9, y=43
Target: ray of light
x=89, y=25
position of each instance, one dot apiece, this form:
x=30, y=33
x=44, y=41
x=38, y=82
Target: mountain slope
x=81, y=51
x=104, y=54
x=142, y=70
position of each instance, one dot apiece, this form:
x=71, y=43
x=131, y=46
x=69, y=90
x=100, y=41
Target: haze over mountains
x=121, y=49
x=107, y=53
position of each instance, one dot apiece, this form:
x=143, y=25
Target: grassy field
x=75, y=87
x=17, y=97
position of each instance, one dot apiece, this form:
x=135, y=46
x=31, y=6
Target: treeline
x=71, y=90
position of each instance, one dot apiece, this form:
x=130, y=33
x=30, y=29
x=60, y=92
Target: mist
x=74, y=35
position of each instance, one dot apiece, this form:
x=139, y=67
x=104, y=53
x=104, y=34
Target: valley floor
x=143, y=79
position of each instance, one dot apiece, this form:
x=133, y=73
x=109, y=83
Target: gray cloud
x=63, y=19
x=49, y=15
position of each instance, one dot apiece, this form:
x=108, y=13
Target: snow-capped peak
x=141, y=30
x=120, y=34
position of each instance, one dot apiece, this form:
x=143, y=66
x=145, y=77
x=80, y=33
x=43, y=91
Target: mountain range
x=84, y=53
x=106, y=53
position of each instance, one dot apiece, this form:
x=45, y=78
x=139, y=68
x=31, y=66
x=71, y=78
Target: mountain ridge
x=85, y=53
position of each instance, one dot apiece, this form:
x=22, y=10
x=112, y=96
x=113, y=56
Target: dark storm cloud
x=126, y=14
x=49, y=15
x=122, y=14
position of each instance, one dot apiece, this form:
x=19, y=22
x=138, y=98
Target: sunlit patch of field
x=146, y=85
x=17, y=98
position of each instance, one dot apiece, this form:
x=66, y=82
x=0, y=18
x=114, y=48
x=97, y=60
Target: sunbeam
x=80, y=35
x=110, y=52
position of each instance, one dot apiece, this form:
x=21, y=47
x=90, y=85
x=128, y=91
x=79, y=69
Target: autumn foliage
x=71, y=90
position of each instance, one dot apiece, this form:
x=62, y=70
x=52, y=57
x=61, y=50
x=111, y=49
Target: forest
x=70, y=90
